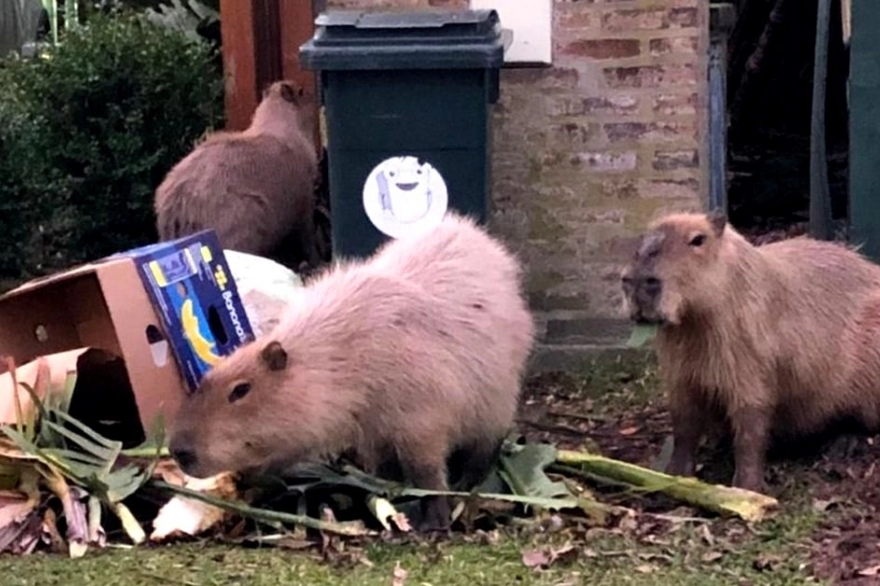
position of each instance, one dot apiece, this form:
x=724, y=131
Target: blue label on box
x=192, y=289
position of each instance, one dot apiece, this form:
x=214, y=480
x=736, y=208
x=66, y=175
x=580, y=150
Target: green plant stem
x=725, y=500
x=147, y=452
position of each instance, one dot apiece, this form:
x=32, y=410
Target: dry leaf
x=766, y=562
x=15, y=506
x=168, y=471
x=535, y=558
x=871, y=571
x=327, y=540
x=385, y=512
x=74, y=510
x=40, y=374
x=187, y=516
x=628, y=521
x=295, y=544
x=401, y=522
x=565, y=554
x=398, y=576
x=712, y=556
x=51, y=533
x=707, y=536
x=19, y=519
x=645, y=569
x=629, y=430
x=821, y=505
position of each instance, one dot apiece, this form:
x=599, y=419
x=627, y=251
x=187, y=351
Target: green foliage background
x=87, y=132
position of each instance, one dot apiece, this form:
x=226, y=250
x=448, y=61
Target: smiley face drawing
x=404, y=195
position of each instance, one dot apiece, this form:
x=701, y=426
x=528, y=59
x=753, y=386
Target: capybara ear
x=290, y=93
x=718, y=220
x=274, y=356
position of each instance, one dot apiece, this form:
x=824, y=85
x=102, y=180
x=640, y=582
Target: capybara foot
x=749, y=479
x=843, y=447
x=681, y=462
x=680, y=467
x=436, y=515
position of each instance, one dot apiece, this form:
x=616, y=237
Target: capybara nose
x=650, y=286
x=185, y=456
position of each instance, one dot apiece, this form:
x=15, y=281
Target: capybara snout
x=672, y=269
x=643, y=293
x=182, y=450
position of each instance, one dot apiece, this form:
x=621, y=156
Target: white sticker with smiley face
x=403, y=196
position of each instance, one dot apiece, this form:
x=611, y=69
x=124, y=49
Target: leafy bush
x=87, y=132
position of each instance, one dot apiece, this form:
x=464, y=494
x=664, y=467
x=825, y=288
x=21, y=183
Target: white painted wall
x=532, y=24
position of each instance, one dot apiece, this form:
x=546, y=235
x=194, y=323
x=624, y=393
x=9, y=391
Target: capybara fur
x=403, y=362
x=779, y=341
x=255, y=188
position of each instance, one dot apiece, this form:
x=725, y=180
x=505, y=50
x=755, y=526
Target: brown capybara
x=407, y=362
x=781, y=341
x=255, y=188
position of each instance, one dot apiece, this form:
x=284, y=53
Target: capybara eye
x=239, y=391
x=698, y=240
x=652, y=282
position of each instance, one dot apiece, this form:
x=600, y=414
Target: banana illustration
x=202, y=347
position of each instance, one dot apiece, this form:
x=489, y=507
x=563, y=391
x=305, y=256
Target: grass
x=684, y=557
x=646, y=551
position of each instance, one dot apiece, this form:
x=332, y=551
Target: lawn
x=826, y=532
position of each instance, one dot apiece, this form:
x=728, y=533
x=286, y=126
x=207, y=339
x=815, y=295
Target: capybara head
x=234, y=420
x=673, y=267
x=286, y=90
x=284, y=102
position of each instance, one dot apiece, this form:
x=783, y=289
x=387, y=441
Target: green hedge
x=87, y=132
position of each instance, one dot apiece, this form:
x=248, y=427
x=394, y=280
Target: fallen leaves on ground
x=88, y=473
x=544, y=558
x=767, y=563
x=398, y=576
x=186, y=516
x=871, y=571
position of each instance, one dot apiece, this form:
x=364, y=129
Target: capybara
x=407, y=362
x=780, y=341
x=255, y=188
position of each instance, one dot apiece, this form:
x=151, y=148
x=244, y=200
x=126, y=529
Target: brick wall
x=590, y=149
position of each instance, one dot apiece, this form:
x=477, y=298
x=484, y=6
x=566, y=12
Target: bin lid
x=424, y=39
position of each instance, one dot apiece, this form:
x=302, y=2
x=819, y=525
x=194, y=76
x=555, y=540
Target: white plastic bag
x=265, y=287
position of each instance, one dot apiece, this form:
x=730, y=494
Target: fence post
x=261, y=39
x=297, y=18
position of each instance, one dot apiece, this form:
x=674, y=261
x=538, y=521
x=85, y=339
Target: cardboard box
x=192, y=290
x=159, y=316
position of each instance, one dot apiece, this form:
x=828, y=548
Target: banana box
x=140, y=328
x=193, y=292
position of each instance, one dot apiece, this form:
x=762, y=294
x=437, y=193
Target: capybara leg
x=428, y=471
x=751, y=428
x=687, y=430
x=469, y=465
